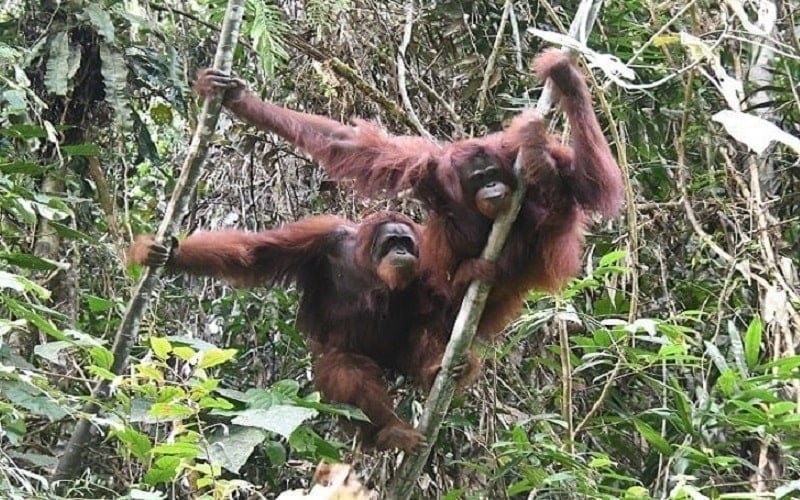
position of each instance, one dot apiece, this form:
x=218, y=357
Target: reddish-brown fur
x=564, y=185
x=358, y=325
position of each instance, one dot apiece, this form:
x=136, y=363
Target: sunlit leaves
x=214, y=357
x=101, y=357
x=137, y=442
x=163, y=470
x=160, y=346
x=171, y=411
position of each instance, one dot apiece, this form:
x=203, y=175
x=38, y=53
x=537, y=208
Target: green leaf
x=150, y=372
x=342, y=410
x=20, y=208
x=785, y=365
x=280, y=419
x=673, y=352
x=286, y=387
x=68, y=232
x=636, y=493
x=101, y=357
x=98, y=304
x=164, y=470
x=612, y=258
x=781, y=407
x=81, y=150
x=161, y=347
x=726, y=382
x=57, y=76
x=751, y=415
x=219, y=403
x=752, y=342
x=215, y=357
x=197, y=344
x=115, y=79
x=653, y=437
x=24, y=131
x=29, y=261
x=275, y=452
x=457, y=494
x=764, y=394
x=232, y=394
x=26, y=312
x=32, y=399
x=171, y=393
x=170, y=411
x=682, y=406
x=267, y=27
x=137, y=442
x=22, y=167
x=183, y=352
x=102, y=373
x=232, y=449
x=600, y=462
x=263, y=399
x=51, y=351
x=305, y=440
x=178, y=449
x=515, y=490
x=101, y=20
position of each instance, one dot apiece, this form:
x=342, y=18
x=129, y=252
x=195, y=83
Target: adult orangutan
x=366, y=306
x=466, y=183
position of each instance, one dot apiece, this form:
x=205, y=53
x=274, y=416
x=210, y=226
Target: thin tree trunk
x=403, y=485
x=69, y=464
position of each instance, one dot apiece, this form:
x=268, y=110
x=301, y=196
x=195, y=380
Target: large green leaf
x=280, y=419
x=63, y=62
x=101, y=20
x=232, y=449
x=115, y=79
x=32, y=399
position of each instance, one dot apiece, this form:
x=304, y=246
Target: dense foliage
x=668, y=369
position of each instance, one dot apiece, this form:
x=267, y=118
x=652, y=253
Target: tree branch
x=401, y=70
x=403, y=484
x=491, y=62
x=343, y=70
x=70, y=463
